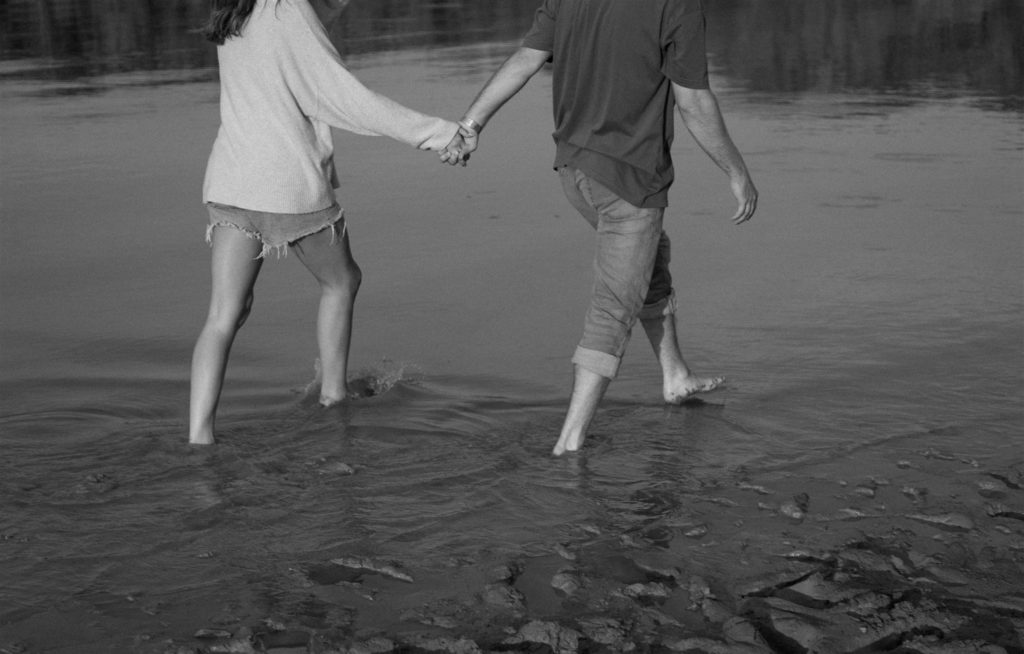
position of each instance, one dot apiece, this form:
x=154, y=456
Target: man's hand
x=513, y=74
x=746, y=198
x=461, y=146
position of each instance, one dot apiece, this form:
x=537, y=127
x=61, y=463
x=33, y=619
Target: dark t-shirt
x=614, y=62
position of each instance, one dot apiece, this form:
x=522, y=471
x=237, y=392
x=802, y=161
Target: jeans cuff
x=666, y=306
x=601, y=363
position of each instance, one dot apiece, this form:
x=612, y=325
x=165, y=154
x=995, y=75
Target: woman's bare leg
x=235, y=268
x=329, y=257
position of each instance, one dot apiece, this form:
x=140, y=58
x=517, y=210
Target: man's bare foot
x=587, y=389
x=682, y=388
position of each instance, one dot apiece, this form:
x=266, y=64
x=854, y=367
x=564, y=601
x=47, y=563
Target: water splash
x=368, y=382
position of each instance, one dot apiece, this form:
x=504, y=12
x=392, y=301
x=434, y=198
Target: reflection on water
x=907, y=46
x=770, y=45
x=83, y=37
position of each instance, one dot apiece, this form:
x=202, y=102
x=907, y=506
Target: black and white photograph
x=512, y=326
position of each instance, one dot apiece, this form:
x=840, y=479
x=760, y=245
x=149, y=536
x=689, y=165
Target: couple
x=620, y=67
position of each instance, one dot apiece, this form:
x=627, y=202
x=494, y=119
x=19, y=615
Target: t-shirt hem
x=689, y=83
x=576, y=157
x=536, y=44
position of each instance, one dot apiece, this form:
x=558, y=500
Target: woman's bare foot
x=355, y=389
x=201, y=439
x=328, y=397
x=327, y=402
x=680, y=388
x=568, y=443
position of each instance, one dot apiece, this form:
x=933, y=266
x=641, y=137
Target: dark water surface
x=869, y=319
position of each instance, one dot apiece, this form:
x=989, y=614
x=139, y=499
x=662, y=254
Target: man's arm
x=701, y=115
x=509, y=79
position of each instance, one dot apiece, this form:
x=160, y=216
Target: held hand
x=461, y=146
x=746, y=199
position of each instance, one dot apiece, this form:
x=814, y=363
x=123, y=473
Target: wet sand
x=927, y=559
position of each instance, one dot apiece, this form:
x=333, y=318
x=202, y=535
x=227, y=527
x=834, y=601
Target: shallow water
x=869, y=321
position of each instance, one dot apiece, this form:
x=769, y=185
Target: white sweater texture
x=283, y=86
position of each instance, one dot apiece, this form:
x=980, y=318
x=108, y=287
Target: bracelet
x=471, y=125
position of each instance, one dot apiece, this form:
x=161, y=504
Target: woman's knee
x=229, y=317
x=243, y=315
x=347, y=283
x=355, y=277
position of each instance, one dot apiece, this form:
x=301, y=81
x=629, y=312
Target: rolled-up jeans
x=631, y=275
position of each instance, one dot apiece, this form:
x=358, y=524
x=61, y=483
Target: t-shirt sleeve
x=683, y=44
x=542, y=35
x=329, y=93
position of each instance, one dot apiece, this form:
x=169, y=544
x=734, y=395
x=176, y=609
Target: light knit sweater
x=283, y=86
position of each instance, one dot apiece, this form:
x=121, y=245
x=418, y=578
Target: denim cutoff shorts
x=276, y=231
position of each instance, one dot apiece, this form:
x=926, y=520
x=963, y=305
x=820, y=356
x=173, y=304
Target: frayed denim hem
x=281, y=247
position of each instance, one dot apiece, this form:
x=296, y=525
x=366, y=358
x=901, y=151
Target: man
x=619, y=66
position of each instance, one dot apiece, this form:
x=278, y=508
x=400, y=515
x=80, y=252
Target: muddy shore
x=926, y=561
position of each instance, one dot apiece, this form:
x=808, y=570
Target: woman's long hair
x=227, y=18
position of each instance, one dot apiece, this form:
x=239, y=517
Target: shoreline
x=817, y=565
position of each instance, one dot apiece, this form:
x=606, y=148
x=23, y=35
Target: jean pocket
x=611, y=207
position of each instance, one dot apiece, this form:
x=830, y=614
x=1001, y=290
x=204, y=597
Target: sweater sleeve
x=330, y=93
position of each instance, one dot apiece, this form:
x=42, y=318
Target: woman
x=270, y=178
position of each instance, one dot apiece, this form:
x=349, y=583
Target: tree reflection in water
x=880, y=45
x=907, y=46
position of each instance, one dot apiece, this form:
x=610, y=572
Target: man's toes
x=713, y=383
